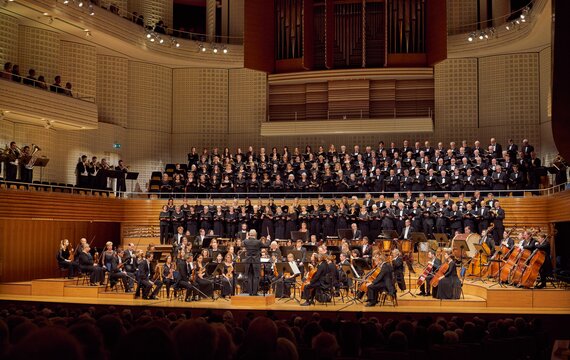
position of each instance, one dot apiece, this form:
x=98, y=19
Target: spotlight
x=160, y=41
x=517, y=22
x=481, y=35
x=148, y=36
x=80, y=4
x=88, y=34
x=225, y=50
x=493, y=32
x=202, y=48
x=174, y=42
x=46, y=14
x=65, y=2
x=471, y=37
x=50, y=20
x=151, y=39
x=215, y=50
x=508, y=26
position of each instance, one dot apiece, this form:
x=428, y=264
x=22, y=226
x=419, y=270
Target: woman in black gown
x=449, y=284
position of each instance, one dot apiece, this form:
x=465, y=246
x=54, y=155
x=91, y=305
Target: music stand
x=282, y=268
x=499, y=253
x=41, y=162
x=344, y=234
x=442, y=239
x=303, y=235
x=132, y=176
x=352, y=275
x=239, y=268
x=418, y=237
x=461, y=245
x=310, y=248
x=479, y=249
x=390, y=234
x=207, y=241
x=297, y=255
x=216, y=270
x=285, y=250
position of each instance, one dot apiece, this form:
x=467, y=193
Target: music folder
x=390, y=234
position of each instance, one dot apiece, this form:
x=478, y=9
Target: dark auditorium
x=284, y=179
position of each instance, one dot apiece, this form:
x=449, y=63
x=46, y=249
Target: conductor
x=253, y=259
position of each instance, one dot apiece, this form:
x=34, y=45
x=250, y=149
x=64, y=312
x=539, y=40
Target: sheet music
x=357, y=275
x=294, y=267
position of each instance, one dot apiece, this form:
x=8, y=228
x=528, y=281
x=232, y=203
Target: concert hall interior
x=302, y=179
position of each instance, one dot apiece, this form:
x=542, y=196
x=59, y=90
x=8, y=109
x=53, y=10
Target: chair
x=327, y=291
x=118, y=284
x=170, y=169
x=156, y=175
x=384, y=296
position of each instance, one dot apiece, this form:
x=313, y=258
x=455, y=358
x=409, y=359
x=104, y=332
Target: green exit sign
x=117, y=146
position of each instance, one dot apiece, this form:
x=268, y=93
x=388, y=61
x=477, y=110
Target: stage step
x=249, y=301
x=116, y=295
x=50, y=287
x=16, y=288
x=81, y=291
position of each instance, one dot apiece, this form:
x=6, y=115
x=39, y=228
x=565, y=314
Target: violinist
x=317, y=281
x=145, y=282
x=107, y=256
x=87, y=266
x=65, y=258
x=200, y=277
x=168, y=270
x=287, y=280
x=117, y=272
x=129, y=258
x=543, y=245
x=383, y=282
x=398, y=268
x=435, y=263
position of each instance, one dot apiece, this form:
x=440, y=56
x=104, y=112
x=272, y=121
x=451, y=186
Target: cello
x=516, y=274
x=441, y=272
x=425, y=273
x=533, y=266
x=499, y=256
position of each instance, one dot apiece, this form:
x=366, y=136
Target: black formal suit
x=356, y=235
x=398, y=267
x=407, y=233
x=117, y=273
x=145, y=280
x=512, y=150
x=317, y=282
x=86, y=266
x=498, y=151
x=499, y=227
x=252, y=248
x=383, y=282
x=499, y=181
x=186, y=268
x=484, y=217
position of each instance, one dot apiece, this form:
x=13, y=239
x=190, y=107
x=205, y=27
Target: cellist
x=435, y=263
x=382, y=282
x=542, y=244
x=317, y=281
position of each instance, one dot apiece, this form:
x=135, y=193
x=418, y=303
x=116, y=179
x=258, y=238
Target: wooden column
x=259, y=35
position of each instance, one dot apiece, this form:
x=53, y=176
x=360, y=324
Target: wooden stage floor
x=480, y=298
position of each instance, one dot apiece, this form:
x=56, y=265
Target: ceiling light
x=80, y=4
x=471, y=37
x=225, y=50
x=215, y=50
x=177, y=45
x=481, y=35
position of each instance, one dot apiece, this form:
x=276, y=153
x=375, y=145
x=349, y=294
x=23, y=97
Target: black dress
x=450, y=286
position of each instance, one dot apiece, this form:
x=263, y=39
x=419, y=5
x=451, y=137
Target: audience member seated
x=80, y=332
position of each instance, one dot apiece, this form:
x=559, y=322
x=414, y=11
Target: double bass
x=478, y=265
x=499, y=256
x=309, y=277
x=517, y=272
x=532, y=269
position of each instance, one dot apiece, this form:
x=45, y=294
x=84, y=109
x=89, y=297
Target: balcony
x=27, y=104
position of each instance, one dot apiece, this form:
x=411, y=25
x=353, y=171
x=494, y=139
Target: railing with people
x=73, y=189
x=41, y=84
x=162, y=28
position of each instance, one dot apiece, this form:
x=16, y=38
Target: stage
x=479, y=298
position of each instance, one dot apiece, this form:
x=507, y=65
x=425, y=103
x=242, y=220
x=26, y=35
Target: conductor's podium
x=245, y=300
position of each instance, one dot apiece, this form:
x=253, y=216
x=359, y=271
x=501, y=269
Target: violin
x=71, y=250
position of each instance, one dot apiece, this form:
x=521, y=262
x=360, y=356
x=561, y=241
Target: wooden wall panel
x=560, y=78
x=28, y=248
x=259, y=40
x=46, y=205
x=436, y=31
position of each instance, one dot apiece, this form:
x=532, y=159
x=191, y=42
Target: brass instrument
x=33, y=157
x=12, y=154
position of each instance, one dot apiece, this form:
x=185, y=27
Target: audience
x=12, y=72
x=57, y=331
